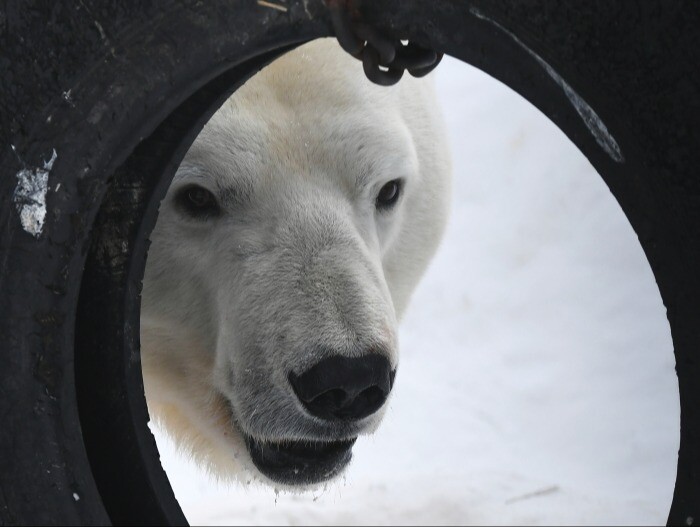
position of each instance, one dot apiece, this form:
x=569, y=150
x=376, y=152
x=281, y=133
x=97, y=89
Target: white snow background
x=536, y=381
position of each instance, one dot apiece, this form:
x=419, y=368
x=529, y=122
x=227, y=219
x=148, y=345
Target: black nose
x=344, y=388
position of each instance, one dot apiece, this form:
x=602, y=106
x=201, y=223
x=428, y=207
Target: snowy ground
x=536, y=383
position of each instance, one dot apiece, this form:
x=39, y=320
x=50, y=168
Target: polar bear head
x=285, y=251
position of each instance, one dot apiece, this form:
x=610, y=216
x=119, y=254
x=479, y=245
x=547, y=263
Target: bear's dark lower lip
x=300, y=462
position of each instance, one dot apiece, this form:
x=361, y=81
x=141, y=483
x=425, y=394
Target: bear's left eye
x=389, y=194
x=197, y=202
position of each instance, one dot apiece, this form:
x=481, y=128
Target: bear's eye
x=197, y=202
x=389, y=194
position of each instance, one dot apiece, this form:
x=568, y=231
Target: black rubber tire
x=119, y=90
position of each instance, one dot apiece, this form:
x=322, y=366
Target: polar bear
x=285, y=252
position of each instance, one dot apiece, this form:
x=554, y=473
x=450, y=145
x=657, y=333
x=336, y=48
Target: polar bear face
x=285, y=251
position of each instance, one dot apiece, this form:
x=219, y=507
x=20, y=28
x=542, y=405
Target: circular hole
x=537, y=381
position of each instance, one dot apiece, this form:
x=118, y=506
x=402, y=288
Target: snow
x=536, y=383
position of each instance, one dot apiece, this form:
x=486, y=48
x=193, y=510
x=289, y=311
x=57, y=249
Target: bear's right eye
x=197, y=202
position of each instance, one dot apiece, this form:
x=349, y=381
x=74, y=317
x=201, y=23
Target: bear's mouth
x=300, y=462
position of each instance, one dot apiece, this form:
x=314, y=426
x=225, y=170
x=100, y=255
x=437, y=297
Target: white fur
x=300, y=265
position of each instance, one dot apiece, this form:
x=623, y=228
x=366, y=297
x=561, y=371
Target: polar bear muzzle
x=344, y=388
x=340, y=391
